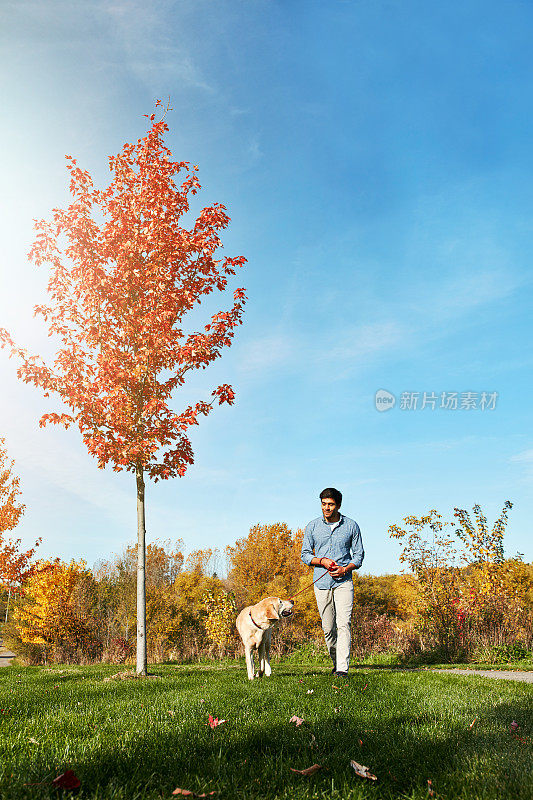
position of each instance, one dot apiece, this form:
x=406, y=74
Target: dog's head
x=275, y=608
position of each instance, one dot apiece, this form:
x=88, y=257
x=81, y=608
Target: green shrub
x=501, y=653
x=27, y=654
x=308, y=653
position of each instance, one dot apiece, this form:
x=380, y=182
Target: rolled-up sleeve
x=358, y=552
x=308, y=545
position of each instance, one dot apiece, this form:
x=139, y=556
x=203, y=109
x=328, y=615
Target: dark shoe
x=334, y=671
x=341, y=674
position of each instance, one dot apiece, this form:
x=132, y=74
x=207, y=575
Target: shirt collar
x=341, y=518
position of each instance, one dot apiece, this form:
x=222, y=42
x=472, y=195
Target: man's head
x=331, y=500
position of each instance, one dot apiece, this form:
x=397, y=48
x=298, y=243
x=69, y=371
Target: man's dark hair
x=333, y=494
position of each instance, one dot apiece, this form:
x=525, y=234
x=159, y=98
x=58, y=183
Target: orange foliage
x=488, y=600
x=164, y=561
x=266, y=562
x=50, y=615
x=482, y=544
x=429, y=548
x=393, y=595
x=202, y=562
x=220, y=619
x=125, y=272
x=126, y=268
x=14, y=562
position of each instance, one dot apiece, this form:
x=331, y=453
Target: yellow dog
x=254, y=624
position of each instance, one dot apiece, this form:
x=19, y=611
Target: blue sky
x=375, y=158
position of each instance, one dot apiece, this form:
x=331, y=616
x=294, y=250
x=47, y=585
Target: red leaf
x=297, y=720
x=67, y=780
x=309, y=771
x=214, y=721
x=188, y=793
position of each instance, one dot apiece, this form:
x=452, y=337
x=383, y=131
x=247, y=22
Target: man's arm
x=308, y=556
x=358, y=552
x=308, y=545
x=325, y=562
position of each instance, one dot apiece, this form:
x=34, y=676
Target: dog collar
x=255, y=623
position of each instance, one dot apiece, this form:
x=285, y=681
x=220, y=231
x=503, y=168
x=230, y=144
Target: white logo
x=384, y=400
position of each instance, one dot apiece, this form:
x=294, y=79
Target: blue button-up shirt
x=343, y=545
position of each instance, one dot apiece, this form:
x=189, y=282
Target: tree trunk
x=141, y=576
x=7, y=606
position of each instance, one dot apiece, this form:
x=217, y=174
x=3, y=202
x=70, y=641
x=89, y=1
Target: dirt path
x=507, y=675
x=6, y=656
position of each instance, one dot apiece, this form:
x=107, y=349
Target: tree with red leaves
x=124, y=273
x=15, y=564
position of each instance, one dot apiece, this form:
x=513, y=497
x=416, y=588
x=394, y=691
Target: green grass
x=133, y=739
x=508, y=666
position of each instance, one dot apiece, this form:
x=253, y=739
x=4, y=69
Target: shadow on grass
x=404, y=749
x=258, y=763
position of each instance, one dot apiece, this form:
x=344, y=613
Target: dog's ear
x=272, y=611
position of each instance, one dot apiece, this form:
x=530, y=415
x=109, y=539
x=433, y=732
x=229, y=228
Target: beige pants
x=335, y=609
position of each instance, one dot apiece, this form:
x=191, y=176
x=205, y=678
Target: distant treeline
x=481, y=609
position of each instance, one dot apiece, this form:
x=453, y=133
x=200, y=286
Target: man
x=333, y=543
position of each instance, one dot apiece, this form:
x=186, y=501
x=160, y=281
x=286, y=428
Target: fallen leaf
x=472, y=723
x=310, y=691
x=308, y=771
x=362, y=771
x=67, y=780
x=336, y=710
x=360, y=742
x=431, y=793
x=364, y=687
x=188, y=793
x=214, y=721
x=33, y=741
x=513, y=727
x=312, y=741
x=297, y=720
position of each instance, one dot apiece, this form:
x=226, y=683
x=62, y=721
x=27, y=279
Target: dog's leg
x=253, y=653
x=266, y=651
x=262, y=657
x=249, y=662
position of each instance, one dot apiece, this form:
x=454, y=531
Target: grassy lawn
x=509, y=666
x=133, y=739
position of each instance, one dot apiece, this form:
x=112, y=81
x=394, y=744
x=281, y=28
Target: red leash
x=309, y=585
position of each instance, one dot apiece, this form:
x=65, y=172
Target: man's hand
x=338, y=571
x=328, y=564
